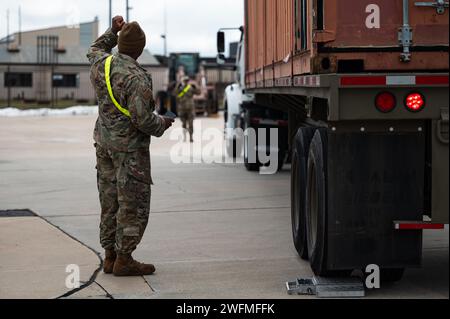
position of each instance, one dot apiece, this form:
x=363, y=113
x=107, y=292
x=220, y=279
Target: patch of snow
x=71, y=111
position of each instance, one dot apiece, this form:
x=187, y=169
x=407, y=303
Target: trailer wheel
x=316, y=207
x=316, y=203
x=298, y=189
x=392, y=275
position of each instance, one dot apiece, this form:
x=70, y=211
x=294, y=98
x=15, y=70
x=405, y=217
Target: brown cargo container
x=294, y=37
x=364, y=86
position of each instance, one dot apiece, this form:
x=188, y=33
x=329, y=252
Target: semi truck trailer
x=364, y=85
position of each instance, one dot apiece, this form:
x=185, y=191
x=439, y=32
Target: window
x=65, y=80
x=86, y=34
x=13, y=79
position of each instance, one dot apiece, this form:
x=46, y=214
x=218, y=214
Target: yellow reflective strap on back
x=186, y=89
x=108, y=85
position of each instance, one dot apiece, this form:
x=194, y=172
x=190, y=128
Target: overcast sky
x=191, y=24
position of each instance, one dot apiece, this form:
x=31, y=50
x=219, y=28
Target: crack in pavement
x=148, y=284
x=93, y=276
x=229, y=260
x=231, y=199
x=107, y=294
x=50, y=191
x=184, y=211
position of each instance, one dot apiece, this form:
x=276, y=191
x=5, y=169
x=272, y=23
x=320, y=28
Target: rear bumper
x=417, y=225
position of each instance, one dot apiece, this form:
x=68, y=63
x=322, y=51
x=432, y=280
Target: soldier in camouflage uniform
x=185, y=105
x=122, y=141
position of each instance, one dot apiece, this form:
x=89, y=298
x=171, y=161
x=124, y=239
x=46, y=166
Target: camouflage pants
x=123, y=181
x=187, y=118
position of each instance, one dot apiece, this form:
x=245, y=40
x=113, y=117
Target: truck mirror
x=220, y=42
x=220, y=59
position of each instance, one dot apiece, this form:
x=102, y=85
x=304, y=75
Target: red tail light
x=385, y=102
x=415, y=102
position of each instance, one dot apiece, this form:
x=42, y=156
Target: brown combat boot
x=126, y=266
x=108, y=263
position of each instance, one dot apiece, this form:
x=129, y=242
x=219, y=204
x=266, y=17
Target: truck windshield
x=189, y=62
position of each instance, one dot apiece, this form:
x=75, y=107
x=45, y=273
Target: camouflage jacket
x=186, y=102
x=132, y=88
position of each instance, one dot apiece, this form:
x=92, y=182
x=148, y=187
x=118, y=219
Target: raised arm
x=104, y=45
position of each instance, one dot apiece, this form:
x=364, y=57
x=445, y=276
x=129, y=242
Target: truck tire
x=281, y=159
x=225, y=112
x=232, y=148
x=298, y=189
x=252, y=167
x=316, y=206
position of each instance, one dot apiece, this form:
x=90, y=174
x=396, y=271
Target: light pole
x=110, y=13
x=128, y=8
x=7, y=27
x=164, y=37
x=20, y=26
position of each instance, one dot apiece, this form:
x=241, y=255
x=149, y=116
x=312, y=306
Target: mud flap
x=374, y=179
x=439, y=210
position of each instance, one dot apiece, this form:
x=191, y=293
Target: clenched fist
x=117, y=24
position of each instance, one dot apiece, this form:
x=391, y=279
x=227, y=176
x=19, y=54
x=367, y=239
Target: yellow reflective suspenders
x=108, y=84
x=183, y=93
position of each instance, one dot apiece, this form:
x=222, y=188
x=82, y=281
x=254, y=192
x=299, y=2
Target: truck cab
x=242, y=112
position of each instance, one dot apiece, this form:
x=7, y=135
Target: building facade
x=49, y=66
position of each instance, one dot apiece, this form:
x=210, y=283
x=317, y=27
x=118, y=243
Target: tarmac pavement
x=215, y=231
x=34, y=257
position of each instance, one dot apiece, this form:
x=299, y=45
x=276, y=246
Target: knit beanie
x=131, y=39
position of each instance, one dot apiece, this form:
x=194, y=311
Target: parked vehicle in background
x=241, y=112
x=211, y=78
x=366, y=93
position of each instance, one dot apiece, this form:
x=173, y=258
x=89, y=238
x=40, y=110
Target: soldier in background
x=185, y=105
x=122, y=140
